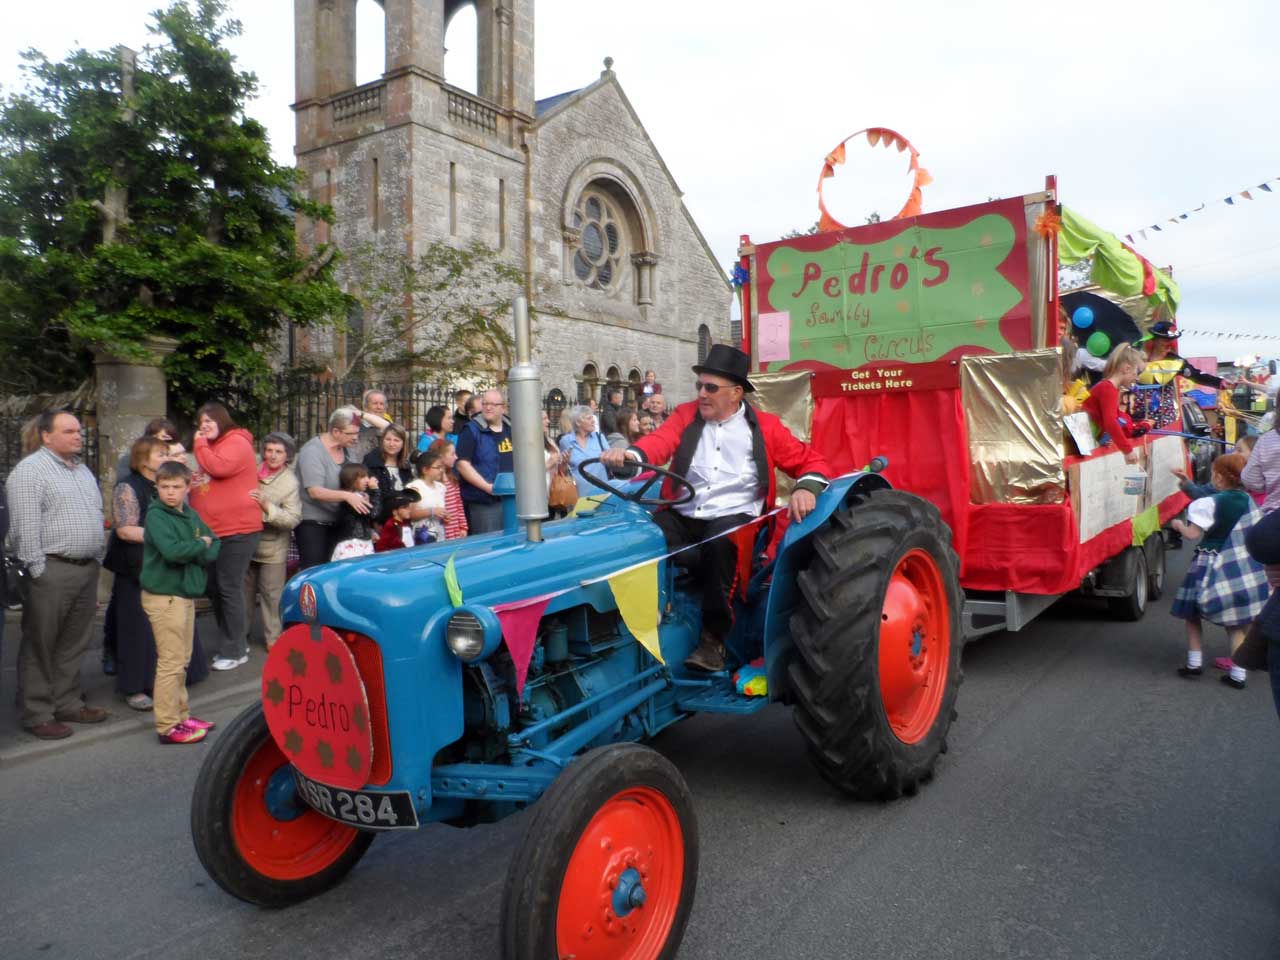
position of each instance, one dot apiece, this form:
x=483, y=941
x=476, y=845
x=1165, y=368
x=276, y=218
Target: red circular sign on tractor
x=316, y=706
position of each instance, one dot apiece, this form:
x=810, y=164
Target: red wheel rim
x=636, y=832
x=915, y=646
x=292, y=849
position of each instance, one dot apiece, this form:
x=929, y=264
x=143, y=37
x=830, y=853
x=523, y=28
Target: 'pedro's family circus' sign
x=893, y=306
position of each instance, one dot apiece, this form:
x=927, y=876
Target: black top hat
x=1163, y=330
x=727, y=361
x=399, y=498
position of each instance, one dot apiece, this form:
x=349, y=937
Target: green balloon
x=1099, y=344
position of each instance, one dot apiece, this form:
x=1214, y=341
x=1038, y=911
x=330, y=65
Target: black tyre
x=610, y=858
x=878, y=640
x=253, y=834
x=1156, y=566
x=1133, y=604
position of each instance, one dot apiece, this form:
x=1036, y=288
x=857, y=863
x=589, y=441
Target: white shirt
x=432, y=496
x=723, y=472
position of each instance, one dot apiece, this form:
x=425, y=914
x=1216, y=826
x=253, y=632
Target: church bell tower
x=408, y=159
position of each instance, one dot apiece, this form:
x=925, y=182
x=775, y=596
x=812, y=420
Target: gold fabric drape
x=787, y=396
x=1012, y=405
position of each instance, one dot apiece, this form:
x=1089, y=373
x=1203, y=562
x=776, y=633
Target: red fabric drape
x=921, y=432
x=1033, y=548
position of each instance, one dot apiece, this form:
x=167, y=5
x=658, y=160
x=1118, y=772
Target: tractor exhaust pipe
x=524, y=390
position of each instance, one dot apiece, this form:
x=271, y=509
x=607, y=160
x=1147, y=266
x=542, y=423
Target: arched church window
x=588, y=383
x=461, y=43
x=602, y=246
x=704, y=341
x=371, y=43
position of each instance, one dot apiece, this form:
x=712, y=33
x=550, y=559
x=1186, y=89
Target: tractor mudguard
x=792, y=553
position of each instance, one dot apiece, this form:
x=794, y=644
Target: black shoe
x=109, y=664
x=1190, y=671
x=1231, y=681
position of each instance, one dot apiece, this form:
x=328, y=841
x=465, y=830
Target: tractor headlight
x=472, y=633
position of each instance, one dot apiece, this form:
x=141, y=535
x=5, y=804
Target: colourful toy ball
x=1082, y=318
x=1098, y=344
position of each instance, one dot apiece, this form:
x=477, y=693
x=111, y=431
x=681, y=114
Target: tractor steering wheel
x=637, y=496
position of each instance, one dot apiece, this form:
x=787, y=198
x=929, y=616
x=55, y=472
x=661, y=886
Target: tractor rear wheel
x=609, y=864
x=878, y=639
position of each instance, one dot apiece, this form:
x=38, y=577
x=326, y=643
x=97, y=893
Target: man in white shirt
x=728, y=451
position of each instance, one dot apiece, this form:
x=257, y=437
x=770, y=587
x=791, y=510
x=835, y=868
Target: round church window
x=597, y=261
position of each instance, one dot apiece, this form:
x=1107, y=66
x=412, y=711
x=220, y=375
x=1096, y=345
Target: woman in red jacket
x=220, y=494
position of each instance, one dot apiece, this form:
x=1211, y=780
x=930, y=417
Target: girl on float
x=1103, y=404
x=1210, y=520
x=355, y=531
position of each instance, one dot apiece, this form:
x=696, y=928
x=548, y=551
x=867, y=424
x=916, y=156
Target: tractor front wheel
x=253, y=833
x=609, y=864
x=878, y=642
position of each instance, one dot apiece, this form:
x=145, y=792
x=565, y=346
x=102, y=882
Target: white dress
x=432, y=496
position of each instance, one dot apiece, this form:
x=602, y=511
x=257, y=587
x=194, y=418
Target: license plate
x=366, y=809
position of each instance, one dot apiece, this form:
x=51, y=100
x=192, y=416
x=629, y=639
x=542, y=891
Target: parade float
x=933, y=339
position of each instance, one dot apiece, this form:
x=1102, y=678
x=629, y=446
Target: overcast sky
x=1144, y=111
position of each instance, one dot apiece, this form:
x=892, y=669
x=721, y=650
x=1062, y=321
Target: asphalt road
x=1092, y=805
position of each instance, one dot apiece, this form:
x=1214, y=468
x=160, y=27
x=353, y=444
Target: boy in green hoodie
x=176, y=548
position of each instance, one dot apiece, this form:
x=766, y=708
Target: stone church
x=570, y=188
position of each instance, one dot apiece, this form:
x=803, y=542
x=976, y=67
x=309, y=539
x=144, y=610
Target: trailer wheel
x=878, y=639
x=253, y=834
x=1134, y=603
x=1154, y=547
x=609, y=864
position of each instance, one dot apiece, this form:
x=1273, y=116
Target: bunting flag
x=1264, y=186
x=1228, y=334
x=451, y=582
x=519, y=621
x=635, y=590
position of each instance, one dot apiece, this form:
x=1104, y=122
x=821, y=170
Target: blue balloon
x=1082, y=318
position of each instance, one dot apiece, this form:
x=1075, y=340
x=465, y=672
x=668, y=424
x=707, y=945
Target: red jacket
x=773, y=447
x=1103, y=407
x=391, y=536
x=230, y=470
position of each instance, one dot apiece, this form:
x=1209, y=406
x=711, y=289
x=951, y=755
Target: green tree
x=439, y=316
x=161, y=213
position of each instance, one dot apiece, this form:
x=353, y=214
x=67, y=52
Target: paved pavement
x=17, y=746
x=1092, y=805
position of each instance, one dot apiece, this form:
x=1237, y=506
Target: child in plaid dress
x=1210, y=520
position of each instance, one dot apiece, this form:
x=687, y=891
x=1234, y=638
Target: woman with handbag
x=136, y=651
x=562, y=492
x=1217, y=587
x=584, y=443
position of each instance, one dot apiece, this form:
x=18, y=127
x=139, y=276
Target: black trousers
x=315, y=542
x=717, y=562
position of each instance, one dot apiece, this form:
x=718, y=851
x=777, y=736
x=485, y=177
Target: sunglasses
x=701, y=385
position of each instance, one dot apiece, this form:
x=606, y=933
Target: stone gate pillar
x=129, y=393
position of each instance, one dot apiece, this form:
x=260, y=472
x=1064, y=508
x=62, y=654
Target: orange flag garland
x=876, y=136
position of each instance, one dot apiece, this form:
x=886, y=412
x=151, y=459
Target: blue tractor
x=854, y=615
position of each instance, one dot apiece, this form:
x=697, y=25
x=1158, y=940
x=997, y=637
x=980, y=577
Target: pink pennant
x=519, y=621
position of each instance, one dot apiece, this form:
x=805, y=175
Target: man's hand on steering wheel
x=616, y=457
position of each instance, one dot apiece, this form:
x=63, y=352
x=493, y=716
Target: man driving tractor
x=728, y=451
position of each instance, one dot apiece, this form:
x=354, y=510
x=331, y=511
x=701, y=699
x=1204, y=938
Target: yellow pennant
x=636, y=593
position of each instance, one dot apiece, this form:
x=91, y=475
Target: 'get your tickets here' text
x=877, y=378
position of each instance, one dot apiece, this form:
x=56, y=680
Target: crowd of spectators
x=365, y=483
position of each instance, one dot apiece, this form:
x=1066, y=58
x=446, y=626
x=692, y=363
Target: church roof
x=563, y=101
x=550, y=103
